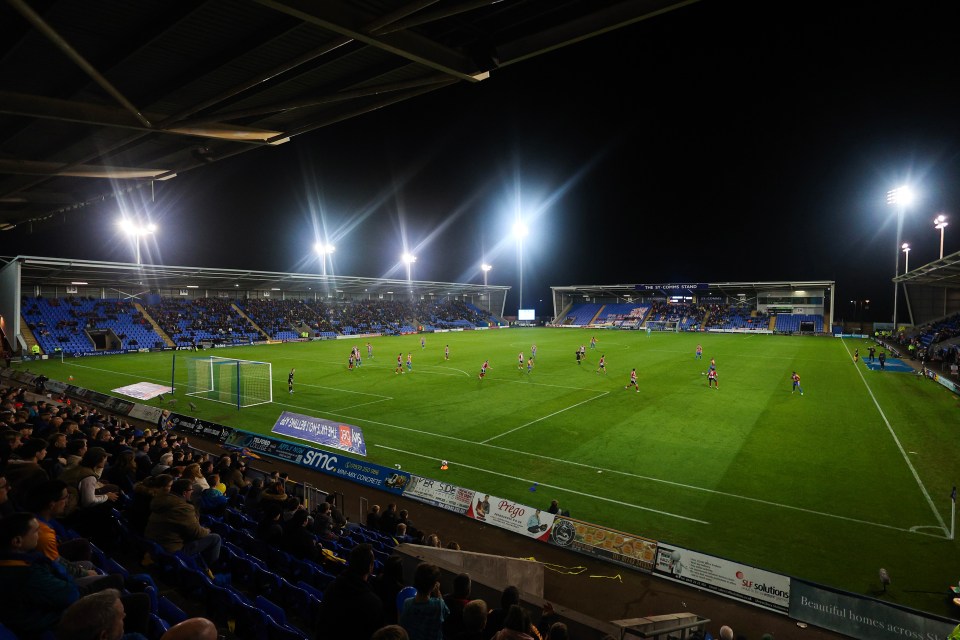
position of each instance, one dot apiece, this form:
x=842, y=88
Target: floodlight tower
x=486, y=269
x=906, y=260
x=520, y=231
x=409, y=259
x=900, y=197
x=940, y=222
x=324, y=249
x=135, y=231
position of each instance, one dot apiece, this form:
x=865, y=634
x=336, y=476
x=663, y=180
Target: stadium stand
x=83, y=324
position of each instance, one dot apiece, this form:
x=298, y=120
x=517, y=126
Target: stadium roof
x=124, y=277
x=729, y=288
x=98, y=98
x=939, y=273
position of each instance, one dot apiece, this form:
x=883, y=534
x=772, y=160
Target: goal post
x=662, y=325
x=243, y=383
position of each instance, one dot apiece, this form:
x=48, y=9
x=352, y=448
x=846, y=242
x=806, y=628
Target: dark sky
x=726, y=141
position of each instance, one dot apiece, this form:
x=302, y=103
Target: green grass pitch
x=829, y=486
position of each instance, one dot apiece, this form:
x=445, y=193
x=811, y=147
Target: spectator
x=323, y=523
x=412, y=531
x=558, y=631
x=389, y=520
x=192, y=629
x=47, y=502
x=423, y=615
x=456, y=600
x=297, y=539
x=138, y=510
x=339, y=522
x=175, y=525
x=5, y=507
x=391, y=632
x=726, y=633
x=350, y=609
x=33, y=591
x=474, y=621
x=83, y=481
x=24, y=471
x=387, y=585
x=509, y=597
x=123, y=472
x=103, y=616
x=163, y=465
x=236, y=477
x=516, y=625
x=373, y=518
x=401, y=534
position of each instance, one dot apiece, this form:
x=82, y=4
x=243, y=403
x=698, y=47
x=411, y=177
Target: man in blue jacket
x=34, y=592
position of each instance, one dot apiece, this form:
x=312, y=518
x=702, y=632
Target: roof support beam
x=96, y=115
x=344, y=20
x=33, y=18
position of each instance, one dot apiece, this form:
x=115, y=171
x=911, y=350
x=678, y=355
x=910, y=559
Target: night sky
x=725, y=141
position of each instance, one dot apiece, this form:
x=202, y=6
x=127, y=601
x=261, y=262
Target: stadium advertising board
x=725, y=577
x=860, y=617
x=936, y=377
x=673, y=286
x=439, y=494
x=197, y=427
x=512, y=516
x=359, y=471
x=327, y=433
x=603, y=543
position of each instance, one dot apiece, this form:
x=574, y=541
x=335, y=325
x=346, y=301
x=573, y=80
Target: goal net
x=243, y=383
x=662, y=325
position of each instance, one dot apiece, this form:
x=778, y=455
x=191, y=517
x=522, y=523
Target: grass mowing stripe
x=903, y=453
x=544, y=418
x=551, y=486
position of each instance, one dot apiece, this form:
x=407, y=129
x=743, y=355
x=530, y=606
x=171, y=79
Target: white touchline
x=551, y=486
x=903, y=453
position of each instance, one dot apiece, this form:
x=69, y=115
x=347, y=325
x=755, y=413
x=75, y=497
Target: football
x=703, y=373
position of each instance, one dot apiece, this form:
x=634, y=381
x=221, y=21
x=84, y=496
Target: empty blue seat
x=278, y=631
x=271, y=609
x=251, y=622
x=169, y=611
x=311, y=589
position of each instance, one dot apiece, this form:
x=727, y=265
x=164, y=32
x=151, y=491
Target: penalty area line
x=551, y=486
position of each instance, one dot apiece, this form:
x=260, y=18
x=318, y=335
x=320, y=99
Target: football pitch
x=831, y=485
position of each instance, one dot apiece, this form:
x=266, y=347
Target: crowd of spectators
x=189, y=322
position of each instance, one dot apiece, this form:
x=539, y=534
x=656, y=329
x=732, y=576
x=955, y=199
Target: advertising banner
x=323, y=432
x=512, y=516
x=725, y=577
x=439, y=494
x=197, y=427
x=607, y=544
x=861, y=617
x=367, y=473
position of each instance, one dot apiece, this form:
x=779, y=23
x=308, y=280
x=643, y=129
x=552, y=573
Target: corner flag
x=953, y=494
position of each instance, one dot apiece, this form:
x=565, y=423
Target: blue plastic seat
x=251, y=622
x=169, y=611
x=311, y=590
x=157, y=627
x=271, y=609
x=278, y=631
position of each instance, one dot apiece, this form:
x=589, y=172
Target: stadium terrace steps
x=160, y=332
x=253, y=324
x=28, y=336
